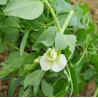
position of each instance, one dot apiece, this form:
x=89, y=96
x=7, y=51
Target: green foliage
x=23, y=42
x=94, y=61
x=47, y=89
x=62, y=41
x=34, y=79
x=3, y=2
x=60, y=87
x=28, y=28
x=74, y=80
x=63, y=8
x=47, y=38
x=3, y=73
x=3, y=47
x=14, y=64
x=89, y=73
x=13, y=84
x=33, y=8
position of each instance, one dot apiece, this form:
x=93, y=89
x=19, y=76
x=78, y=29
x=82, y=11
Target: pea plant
x=53, y=47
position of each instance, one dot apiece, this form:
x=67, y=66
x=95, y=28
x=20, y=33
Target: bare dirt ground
x=90, y=88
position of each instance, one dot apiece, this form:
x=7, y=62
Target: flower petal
x=59, y=63
x=44, y=63
x=54, y=55
x=51, y=54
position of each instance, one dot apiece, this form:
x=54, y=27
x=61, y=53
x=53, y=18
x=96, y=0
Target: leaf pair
x=58, y=90
x=61, y=41
x=34, y=79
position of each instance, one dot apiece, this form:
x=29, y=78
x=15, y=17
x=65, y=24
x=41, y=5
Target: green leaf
x=38, y=22
x=60, y=87
x=35, y=35
x=47, y=89
x=68, y=1
x=3, y=47
x=74, y=80
x=66, y=7
x=83, y=33
x=62, y=41
x=23, y=42
x=27, y=9
x=88, y=74
x=11, y=22
x=63, y=8
x=30, y=67
x=12, y=86
x=81, y=37
x=28, y=64
x=29, y=59
x=11, y=34
x=40, y=93
x=47, y=38
x=27, y=91
x=85, y=8
x=94, y=61
x=67, y=52
x=3, y=73
x=13, y=62
x=34, y=79
x=21, y=92
x=7, y=29
x=3, y=2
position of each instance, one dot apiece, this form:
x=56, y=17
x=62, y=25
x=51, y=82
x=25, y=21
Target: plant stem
x=96, y=93
x=54, y=16
x=80, y=58
x=70, y=80
x=85, y=51
x=15, y=47
x=67, y=21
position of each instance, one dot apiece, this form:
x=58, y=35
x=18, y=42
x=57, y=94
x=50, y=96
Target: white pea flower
x=50, y=60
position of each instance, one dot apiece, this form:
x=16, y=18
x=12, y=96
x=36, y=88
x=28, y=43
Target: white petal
x=59, y=63
x=49, y=50
x=47, y=54
x=54, y=55
x=44, y=63
x=51, y=54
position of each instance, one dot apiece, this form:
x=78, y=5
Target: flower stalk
x=67, y=21
x=70, y=79
x=53, y=14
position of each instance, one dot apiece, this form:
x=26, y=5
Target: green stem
x=67, y=20
x=96, y=93
x=54, y=16
x=70, y=80
x=15, y=47
x=81, y=58
x=85, y=51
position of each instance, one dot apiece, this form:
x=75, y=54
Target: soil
x=89, y=88
x=4, y=85
x=93, y=5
